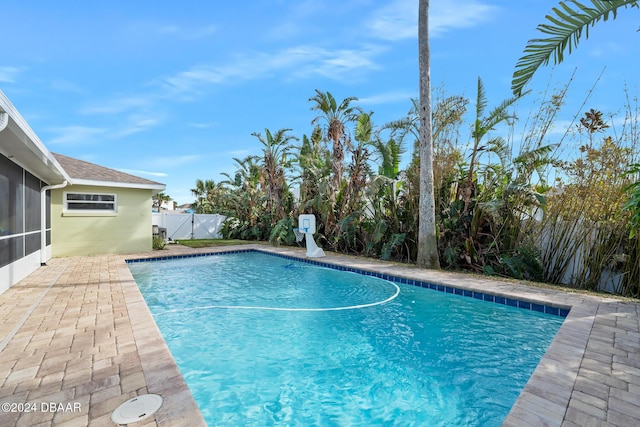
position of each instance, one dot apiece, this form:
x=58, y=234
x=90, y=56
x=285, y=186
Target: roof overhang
x=19, y=143
x=155, y=188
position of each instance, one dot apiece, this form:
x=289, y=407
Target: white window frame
x=68, y=209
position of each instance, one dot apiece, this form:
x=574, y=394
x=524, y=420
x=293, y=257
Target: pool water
x=266, y=341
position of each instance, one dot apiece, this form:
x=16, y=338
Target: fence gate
x=189, y=226
x=207, y=226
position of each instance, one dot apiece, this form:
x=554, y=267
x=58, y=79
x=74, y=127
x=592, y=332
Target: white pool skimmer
x=136, y=409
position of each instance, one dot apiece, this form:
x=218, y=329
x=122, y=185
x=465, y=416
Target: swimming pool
x=266, y=340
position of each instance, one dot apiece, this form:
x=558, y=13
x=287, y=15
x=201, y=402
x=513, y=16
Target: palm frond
x=364, y=128
x=500, y=113
x=344, y=105
x=332, y=102
x=481, y=100
x=565, y=28
x=321, y=101
x=500, y=148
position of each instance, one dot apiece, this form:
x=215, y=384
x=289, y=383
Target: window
x=90, y=202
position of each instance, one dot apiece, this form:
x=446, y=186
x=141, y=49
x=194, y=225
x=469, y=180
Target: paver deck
x=77, y=340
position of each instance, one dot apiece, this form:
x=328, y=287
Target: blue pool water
x=267, y=341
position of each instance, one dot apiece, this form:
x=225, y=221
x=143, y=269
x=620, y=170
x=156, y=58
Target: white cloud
x=137, y=123
x=239, y=153
x=71, y=135
x=340, y=64
x=66, y=86
x=298, y=62
x=447, y=14
x=186, y=81
x=9, y=74
x=395, y=21
x=388, y=98
x=118, y=105
x=141, y=172
x=399, y=19
x=171, y=30
x=298, y=20
x=77, y=135
x=201, y=125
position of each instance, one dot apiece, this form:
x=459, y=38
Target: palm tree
x=275, y=161
x=203, y=192
x=199, y=190
x=427, y=238
x=314, y=163
x=244, y=198
x=359, y=167
x=159, y=199
x=336, y=118
x=565, y=29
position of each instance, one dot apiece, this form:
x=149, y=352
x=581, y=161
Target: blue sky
x=172, y=91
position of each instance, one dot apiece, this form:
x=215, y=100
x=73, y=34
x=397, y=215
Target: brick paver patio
x=77, y=340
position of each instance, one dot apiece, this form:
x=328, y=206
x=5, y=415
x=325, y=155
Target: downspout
x=43, y=219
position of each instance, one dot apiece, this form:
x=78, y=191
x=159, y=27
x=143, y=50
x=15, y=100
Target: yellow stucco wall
x=127, y=231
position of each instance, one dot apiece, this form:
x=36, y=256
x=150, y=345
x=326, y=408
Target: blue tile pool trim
x=170, y=257
x=526, y=305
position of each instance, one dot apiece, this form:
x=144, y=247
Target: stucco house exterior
x=104, y=211
x=54, y=205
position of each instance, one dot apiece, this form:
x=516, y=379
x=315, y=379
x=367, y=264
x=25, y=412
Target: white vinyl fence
x=189, y=226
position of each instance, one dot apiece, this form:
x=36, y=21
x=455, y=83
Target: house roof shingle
x=81, y=170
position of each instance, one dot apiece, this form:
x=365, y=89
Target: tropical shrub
x=496, y=211
x=584, y=235
x=157, y=243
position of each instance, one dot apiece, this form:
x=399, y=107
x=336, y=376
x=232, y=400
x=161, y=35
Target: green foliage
x=585, y=230
x=159, y=199
x=209, y=195
x=234, y=228
x=157, y=243
x=564, y=30
x=276, y=161
x=631, y=284
x=282, y=232
x=632, y=205
x=523, y=264
x=490, y=192
x=484, y=206
x=396, y=240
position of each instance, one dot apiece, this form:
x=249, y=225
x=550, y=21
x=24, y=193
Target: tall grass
x=585, y=236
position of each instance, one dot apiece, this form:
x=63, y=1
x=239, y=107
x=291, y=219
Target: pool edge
x=160, y=370
x=547, y=394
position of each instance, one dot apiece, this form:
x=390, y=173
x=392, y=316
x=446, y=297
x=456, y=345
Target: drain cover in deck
x=137, y=409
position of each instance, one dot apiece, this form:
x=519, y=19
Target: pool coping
x=553, y=395
x=590, y=374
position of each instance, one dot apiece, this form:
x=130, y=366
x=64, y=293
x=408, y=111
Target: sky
x=172, y=91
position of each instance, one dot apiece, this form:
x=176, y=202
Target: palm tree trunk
x=427, y=238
